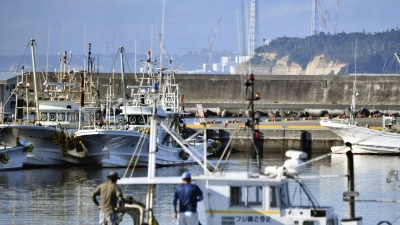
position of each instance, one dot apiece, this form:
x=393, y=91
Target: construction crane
x=336, y=17
x=326, y=16
x=210, y=44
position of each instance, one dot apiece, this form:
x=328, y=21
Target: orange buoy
x=375, y=115
x=343, y=116
x=291, y=118
x=273, y=119
x=310, y=118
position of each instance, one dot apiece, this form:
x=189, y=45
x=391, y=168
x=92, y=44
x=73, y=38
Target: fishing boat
x=15, y=156
x=365, y=140
x=49, y=119
x=124, y=140
x=239, y=197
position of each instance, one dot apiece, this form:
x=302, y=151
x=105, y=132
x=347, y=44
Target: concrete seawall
x=292, y=92
x=277, y=92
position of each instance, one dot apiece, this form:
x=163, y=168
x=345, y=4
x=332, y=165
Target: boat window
x=283, y=196
x=237, y=196
x=68, y=116
x=61, y=116
x=272, y=198
x=310, y=223
x=246, y=196
x=254, y=195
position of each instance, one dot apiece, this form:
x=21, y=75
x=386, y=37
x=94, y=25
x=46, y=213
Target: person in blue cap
x=188, y=195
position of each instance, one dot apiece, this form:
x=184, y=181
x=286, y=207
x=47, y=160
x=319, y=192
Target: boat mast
x=162, y=44
x=353, y=98
x=34, y=78
x=152, y=153
x=121, y=50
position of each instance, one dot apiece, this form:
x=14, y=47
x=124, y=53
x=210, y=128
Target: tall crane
x=336, y=17
x=210, y=44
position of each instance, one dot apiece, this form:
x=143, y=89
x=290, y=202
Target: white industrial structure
x=254, y=27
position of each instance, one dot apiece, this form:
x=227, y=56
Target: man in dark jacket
x=111, y=200
x=188, y=194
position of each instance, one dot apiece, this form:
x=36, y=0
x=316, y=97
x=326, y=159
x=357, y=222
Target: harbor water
x=62, y=195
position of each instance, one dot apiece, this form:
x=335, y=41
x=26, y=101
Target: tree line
x=369, y=52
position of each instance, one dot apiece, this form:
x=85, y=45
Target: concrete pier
x=282, y=135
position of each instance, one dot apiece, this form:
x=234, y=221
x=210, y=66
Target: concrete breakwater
x=289, y=93
x=276, y=137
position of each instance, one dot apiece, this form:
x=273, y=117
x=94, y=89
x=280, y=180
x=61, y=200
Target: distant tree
x=372, y=49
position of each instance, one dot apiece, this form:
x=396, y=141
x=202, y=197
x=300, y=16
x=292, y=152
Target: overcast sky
x=188, y=23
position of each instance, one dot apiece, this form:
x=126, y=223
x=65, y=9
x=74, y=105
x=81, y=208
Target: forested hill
x=374, y=53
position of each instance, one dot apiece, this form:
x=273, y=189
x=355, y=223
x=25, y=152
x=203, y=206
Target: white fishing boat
x=14, y=157
x=125, y=141
x=49, y=119
x=365, y=140
x=238, y=197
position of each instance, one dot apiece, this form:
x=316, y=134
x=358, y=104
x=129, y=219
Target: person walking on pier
x=188, y=195
x=111, y=200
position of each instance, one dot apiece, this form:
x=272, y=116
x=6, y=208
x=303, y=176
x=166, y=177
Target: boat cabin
x=235, y=199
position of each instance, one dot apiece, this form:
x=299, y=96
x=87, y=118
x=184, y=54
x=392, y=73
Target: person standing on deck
x=111, y=200
x=188, y=194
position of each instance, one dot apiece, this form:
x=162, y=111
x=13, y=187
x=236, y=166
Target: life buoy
x=61, y=117
x=141, y=120
x=43, y=117
x=182, y=99
x=52, y=117
x=132, y=120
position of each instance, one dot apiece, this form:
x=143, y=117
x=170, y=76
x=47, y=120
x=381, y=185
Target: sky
x=69, y=25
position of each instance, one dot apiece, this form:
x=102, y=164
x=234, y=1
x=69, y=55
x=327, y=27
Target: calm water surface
x=62, y=195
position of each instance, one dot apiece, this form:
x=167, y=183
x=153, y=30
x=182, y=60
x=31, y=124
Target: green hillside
x=375, y=51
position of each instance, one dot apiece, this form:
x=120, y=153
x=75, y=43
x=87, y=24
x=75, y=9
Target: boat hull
x=115, y=148
x=363, y=140
x=46, y=150
x=17, y=157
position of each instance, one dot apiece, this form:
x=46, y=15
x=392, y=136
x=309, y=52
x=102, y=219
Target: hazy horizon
x=59, y=26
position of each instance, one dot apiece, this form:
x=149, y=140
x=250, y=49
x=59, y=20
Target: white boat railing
x=340, y=121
